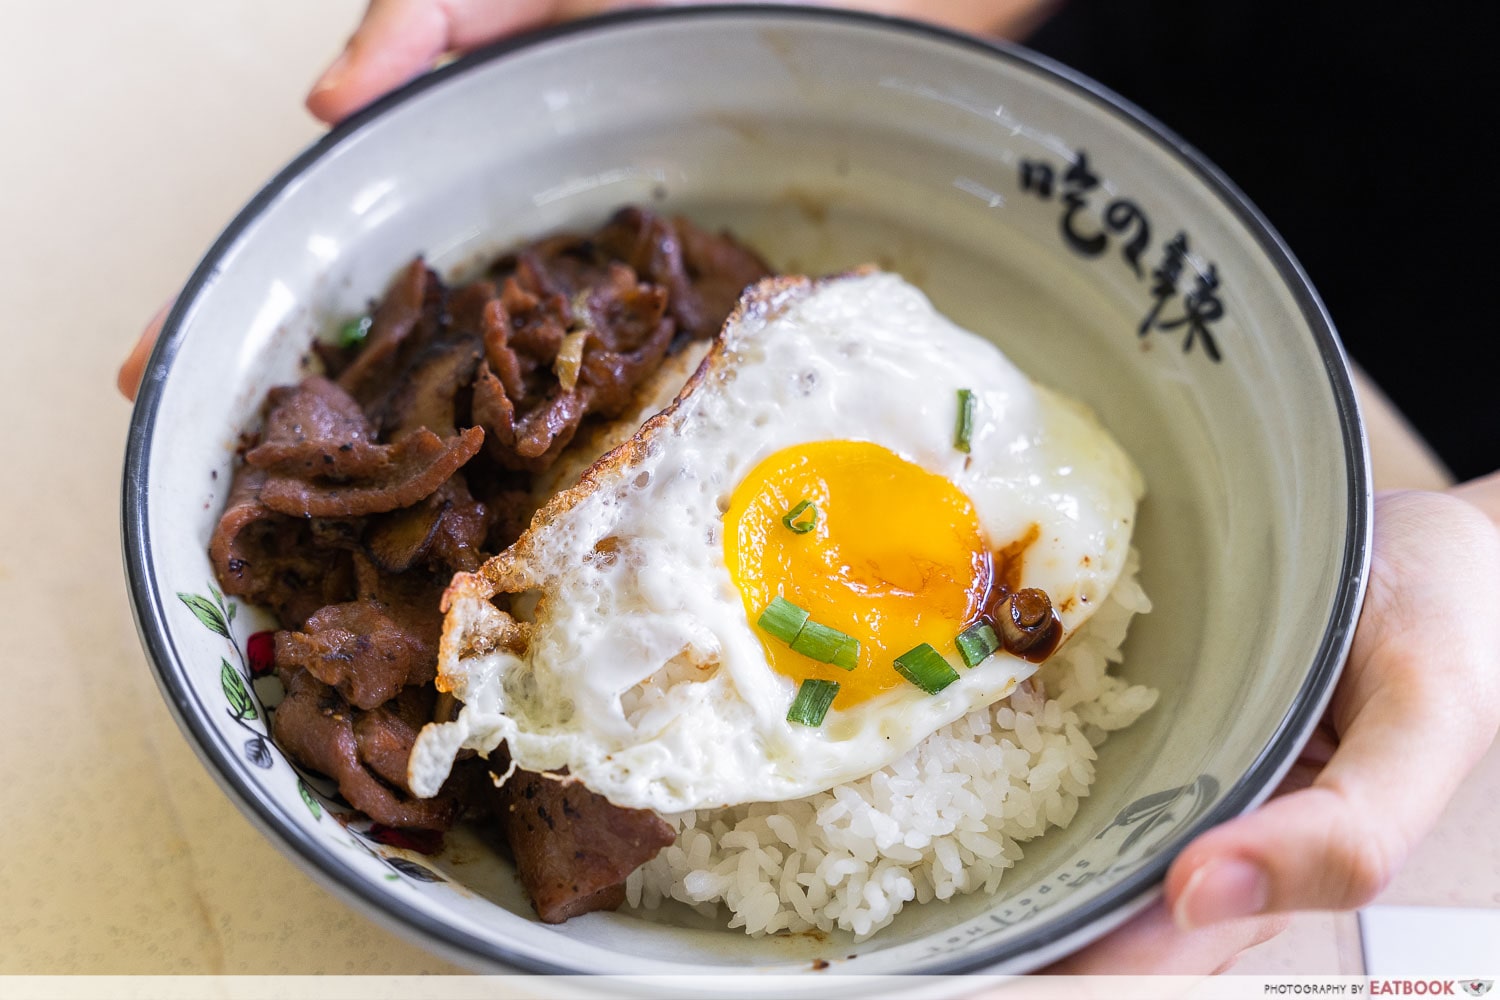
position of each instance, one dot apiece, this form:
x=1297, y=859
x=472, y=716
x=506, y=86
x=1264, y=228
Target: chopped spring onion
x=790, y=624
x=812, y=701
x=783, y=619
x=976, y=642
x=965, y=426
x=926, y=668
x=353, y=333
x=821, y=643
x=846, y=657
x=805, y=524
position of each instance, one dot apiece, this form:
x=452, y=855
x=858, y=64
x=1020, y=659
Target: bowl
x=1108, y=260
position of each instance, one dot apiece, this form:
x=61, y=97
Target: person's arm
x=1483, y=493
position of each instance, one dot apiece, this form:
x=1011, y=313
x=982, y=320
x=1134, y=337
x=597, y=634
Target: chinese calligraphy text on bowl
x=1104, y=257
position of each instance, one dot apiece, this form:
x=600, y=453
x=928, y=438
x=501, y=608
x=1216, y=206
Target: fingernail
x=1222, y=890
x=331, y=75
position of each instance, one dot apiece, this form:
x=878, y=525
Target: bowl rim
x=1123, y=898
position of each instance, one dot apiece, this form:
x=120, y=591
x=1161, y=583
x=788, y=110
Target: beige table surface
x=130, y=132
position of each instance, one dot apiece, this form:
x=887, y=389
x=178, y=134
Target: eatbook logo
x=1477, y=987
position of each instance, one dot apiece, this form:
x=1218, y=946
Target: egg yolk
x=896, y=557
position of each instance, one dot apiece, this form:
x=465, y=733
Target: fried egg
x=814, y=459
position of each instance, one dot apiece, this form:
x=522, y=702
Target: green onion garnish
x=805, y=525
x=783, y=619
x=846, y=656
x=965, y=425
x=976, y=642
x=352, y=333
x=819, y=642
x=926, y=668
x=812, y=701
x=790, y=624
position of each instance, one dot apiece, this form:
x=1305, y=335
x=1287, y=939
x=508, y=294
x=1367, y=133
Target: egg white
x=629, y=660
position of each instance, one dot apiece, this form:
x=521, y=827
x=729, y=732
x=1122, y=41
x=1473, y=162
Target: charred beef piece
x=622, y=335
x=384, y=736
x=419, y=464
x=316, y=429
x=370, y=648
x=719, y=268
x=703, y=274
x=531, y=442
x=427, y=395
x=405, y=318
x=458, y=540
x=294, y=567
x=359, y=649
x=321, y=459
x=316, y=726
x=448, y=529
x=574, y=849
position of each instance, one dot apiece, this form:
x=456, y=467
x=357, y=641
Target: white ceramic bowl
x=1032, y=206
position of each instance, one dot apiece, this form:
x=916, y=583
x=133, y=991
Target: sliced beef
x=702, y=273
x=623, y=334
x=316, y=726
x=288, y=565
x=458, y=542
x=416, y=458
x=401, y=539
x=609, y=379
x=719, y=268
x=537, y=311
x=509, y=510
x=574, y=849
x=411, y=304
x=384, y=736
x=447, y=529
x=372, y=647
x=418, y=464
x=529, y=442
x=427, y=396
x=359, y=649
x=649, y=244
x=315, y=429
x=321, y=457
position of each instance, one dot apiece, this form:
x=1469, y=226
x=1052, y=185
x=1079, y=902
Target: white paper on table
x=1449, y=942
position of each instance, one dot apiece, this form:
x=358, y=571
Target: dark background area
x=1364, y=132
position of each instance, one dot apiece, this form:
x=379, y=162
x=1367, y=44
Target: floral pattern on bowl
x=245, y=704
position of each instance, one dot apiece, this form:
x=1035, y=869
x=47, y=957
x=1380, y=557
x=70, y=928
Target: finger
x=1008, y=18
x=1151, y=944
x=1415, y=710
x=134, y=369
x=399, y=39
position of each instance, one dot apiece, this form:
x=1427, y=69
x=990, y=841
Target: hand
x=1416, y=707
x=400, y=39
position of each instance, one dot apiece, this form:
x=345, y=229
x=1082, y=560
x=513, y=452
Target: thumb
x=128, y=381
x=1414, y=711
x=398, y=39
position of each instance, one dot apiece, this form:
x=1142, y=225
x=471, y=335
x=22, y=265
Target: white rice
x=946, y=819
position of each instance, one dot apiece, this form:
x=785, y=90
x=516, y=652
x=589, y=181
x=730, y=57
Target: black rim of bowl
x=330, y=868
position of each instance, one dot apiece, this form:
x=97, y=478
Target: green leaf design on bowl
x=207, y=612
x=307, y=798
x=236, y=692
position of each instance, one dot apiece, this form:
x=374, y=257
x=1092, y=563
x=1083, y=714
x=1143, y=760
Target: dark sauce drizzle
x=1022, y=617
